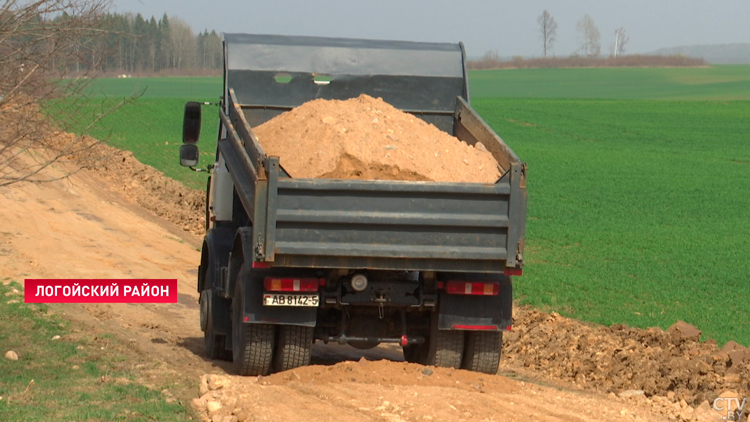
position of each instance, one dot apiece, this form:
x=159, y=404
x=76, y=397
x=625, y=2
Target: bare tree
x=43, y=44
x=621, y=38
x=182, y=42
x=590, y=37
x=548, y=28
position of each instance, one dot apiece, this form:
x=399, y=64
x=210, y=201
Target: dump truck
x=287, y=261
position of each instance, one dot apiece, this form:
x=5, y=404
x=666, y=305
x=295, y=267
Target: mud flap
x=464, y=311
x=220, y=314
x=218, y=244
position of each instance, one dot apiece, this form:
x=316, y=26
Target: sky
x=508, y=27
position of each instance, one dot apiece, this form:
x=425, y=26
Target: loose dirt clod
x=685, y=331
x=212, y=407
x=13, y=292
x=367, y=138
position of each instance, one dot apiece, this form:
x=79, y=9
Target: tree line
x=50, y=50
x=128, y=43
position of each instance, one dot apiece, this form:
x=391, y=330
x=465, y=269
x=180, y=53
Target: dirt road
x=80, y=228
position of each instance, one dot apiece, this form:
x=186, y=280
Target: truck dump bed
x=385, y=225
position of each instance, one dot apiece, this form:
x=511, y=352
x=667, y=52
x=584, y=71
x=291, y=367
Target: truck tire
x=483, y=351
x=213, y=344
x=293, y=347
x=443, y=348
x=252, y=344
x=446, y=348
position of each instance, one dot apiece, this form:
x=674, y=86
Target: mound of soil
x=367, y=138
x=615, y=359
x=152, y=190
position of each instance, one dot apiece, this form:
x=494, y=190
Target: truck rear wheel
x=252, y=344
x=446, y=349
x=483, y=351
x=443, y=348
x=293, y=347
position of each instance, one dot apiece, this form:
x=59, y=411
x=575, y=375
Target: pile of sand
x=367, y=138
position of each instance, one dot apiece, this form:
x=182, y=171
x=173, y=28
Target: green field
x=152, y=129
x=203, y=88
x=638, y=183
x=638, y=209
x=721, y=83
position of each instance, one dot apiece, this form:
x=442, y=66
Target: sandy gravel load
x=367, y=138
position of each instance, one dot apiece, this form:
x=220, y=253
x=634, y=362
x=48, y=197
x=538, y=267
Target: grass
x=151, y=125
x=152, y=129
x=638, y=191
x=186, y=88
x=637, y=209
x=74, y=378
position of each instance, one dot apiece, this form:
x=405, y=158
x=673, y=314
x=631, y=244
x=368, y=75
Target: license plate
x=274, y=299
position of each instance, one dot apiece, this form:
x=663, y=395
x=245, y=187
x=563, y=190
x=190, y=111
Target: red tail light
x=291, y=284
x=258, y=264
x=472, y=288
x=513, y=271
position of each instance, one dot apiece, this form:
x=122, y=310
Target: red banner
x=100, y=291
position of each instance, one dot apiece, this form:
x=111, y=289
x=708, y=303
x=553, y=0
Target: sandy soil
x=397, y=391
x=367, y=138
x=553, y=368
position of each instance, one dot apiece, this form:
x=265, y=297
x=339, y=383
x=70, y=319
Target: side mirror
x=188, y=155
x=191, y=125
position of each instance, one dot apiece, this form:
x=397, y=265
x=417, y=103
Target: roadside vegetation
x=63, y=374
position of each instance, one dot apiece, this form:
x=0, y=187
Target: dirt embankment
x=618, y=358
x=150, y=188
